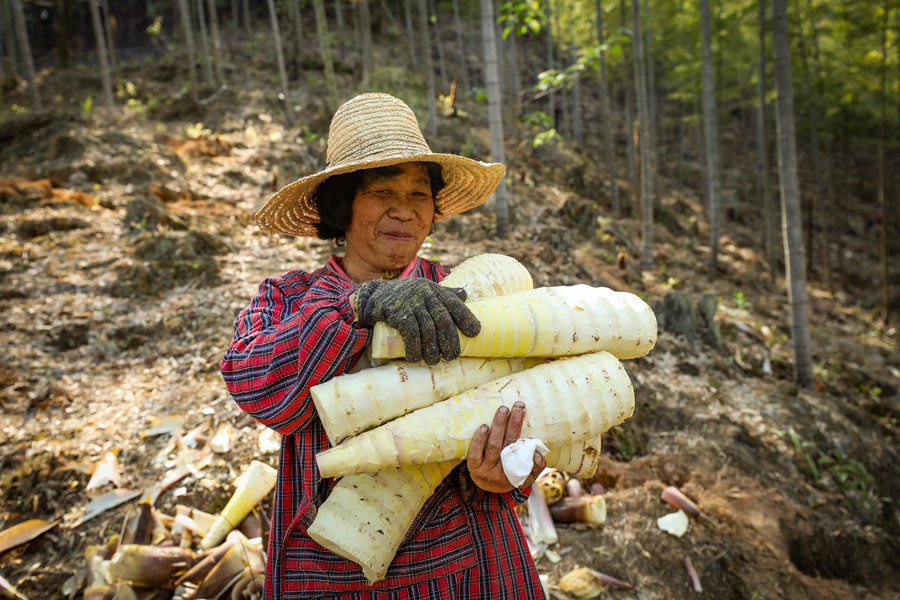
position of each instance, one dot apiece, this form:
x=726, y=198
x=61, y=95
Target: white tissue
x=675, y=523
x=518, y=459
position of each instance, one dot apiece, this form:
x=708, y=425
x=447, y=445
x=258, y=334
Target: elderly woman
x=379, y=195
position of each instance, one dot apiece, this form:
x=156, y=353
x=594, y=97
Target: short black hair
x=334, y=196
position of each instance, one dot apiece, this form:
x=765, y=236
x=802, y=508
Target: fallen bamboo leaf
x=675, y=523
x=191, y=525
x=223, y=441
x=149, y=565
x=269, y=441
x=9, y=590
x=24, y=532
x=103, y=503
x=105, y=471
x=692, y=573
x=675, y=498
x=163, y=424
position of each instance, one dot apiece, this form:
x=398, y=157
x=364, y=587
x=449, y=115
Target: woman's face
x=391, y=217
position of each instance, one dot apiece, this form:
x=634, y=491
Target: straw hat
x=375, y=130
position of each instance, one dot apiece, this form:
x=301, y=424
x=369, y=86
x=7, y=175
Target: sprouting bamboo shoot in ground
x=366, y=517
x=352, y=403
x=567, y=401
x=551, y=321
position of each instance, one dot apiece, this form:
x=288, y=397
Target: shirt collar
x=334, y=263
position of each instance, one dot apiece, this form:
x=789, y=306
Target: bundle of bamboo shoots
x=424, y=417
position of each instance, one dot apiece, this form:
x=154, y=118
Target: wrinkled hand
x=425, y=314
x=483, y=460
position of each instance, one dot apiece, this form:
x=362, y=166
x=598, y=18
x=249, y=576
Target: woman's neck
x=360, y=270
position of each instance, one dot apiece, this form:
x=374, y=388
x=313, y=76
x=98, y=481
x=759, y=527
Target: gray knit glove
x=425, y=314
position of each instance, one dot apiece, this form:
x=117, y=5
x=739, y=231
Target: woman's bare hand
x=483, y=460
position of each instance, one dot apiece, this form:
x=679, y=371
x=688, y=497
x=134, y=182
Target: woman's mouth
x=399, y=236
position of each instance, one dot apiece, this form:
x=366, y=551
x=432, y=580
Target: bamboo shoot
x=551, y=321
x=566, y=401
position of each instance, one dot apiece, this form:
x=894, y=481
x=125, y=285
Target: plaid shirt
x=299, y=331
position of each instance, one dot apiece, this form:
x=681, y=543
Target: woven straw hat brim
x=292, y=211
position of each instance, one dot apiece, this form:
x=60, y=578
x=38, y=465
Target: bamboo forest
x=706, y=190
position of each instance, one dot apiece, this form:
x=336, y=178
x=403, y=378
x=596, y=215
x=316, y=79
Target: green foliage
x=523, y=17
x=155, y=28
x=849, y=474
x=196, y=131
x=87, y=104
x=544, y=137
x=479, y=94
x=538, y=119
x=740, y=301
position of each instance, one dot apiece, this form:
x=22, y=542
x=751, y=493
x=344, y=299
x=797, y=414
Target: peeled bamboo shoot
x=367, y=516
x=255, y=484
x=489, y=276
x=551, y=321
x=566, y=401
x=578, y=460
x=352, y=403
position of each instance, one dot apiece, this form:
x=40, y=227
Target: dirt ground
x=127, y=249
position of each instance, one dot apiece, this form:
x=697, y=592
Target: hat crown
x=373, y=126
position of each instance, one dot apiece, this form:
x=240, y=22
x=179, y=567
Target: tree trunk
x=436, y=40
x=297, y=19
x=790, y=196
x=187, y=30
x=515, y=92
x=100, y=37
x=646, y=142
x=762, y=146
x=410, y=33
x=110, y=30
x=551, y=100
x=495, y=102
x=607, y=119
x=235, y=15
x=279, y=55
x=431, y=127
x=13, y=56
x=630, y=149
x=651, y=87
x=711, y=136
x=339, y=22
x=24, y=47
x=365, y=25
x=461, y=48
x=561, y=64
x=882, y=176
x=204, y=44
x=577, y=123
x=325, y=51
x=216, y=40
x=246, y=6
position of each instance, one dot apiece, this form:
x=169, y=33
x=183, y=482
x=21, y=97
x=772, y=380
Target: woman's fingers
x=464, y=319
x=539, y=465
x=476, y=448
x=430, y=351
x=408, y=328
x=447, y=335
x=495, y=439
x=514, y=425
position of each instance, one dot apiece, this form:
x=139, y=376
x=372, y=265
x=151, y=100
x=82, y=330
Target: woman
x=379, y=195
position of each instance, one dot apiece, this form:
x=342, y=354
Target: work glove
x=425, y=314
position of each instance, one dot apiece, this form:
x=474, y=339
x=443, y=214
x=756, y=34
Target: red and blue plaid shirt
x=299, y=331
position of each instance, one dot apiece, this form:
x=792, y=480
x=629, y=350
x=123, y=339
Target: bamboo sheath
x=578, y=460
x=549, y=322
x=568, y=401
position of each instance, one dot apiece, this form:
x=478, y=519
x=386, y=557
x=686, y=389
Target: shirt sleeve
x=281, y=349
